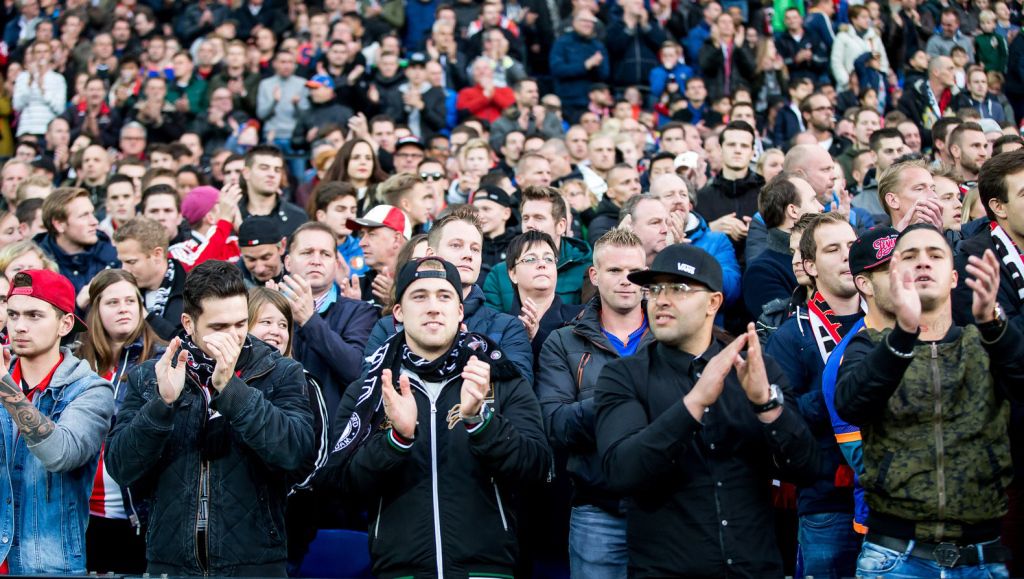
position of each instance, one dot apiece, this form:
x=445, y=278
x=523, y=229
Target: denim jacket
x=44, y=498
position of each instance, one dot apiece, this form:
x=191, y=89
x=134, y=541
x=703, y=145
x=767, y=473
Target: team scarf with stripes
x=824, y=325
x=1009, y=255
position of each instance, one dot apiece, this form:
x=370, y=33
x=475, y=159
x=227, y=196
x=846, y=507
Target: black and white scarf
x=824, y=325
x=199, y=367
x=369, y=417
x=156, y=300
x=1009, y=254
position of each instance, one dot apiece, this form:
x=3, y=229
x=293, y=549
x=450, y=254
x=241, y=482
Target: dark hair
x=522, y=242
x=738, y=126
x=262, y=151
x=200, y=177
x=992, y=179
x=212, y=279
x=874, y=142
x=942, y=127
x=26, y=211
x=549, y=194
x=997, y=146
x=120, y=178
x=808, y=245
x=161, y=189
x=325, y=193
x=338, y=169
x=231, y=159
x=775, y=197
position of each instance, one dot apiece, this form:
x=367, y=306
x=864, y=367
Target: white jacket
x=38, y=107
x=848, y=46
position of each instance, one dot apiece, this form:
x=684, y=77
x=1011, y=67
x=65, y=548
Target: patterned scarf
x=824, y=325
x=1009, y=255
x=156, y=300
x=199, y=367
x=369, y=417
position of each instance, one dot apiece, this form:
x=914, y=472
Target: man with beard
x=819, y=117
x=930, y=398
x=460, y=406
x=693, y=433
x=802, y=345
x=969, y=150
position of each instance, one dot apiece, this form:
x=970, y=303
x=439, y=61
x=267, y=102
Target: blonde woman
x=23, y=255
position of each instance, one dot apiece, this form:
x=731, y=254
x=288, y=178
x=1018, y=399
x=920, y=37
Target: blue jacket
x=44, y=491
x=795, y=350
x=572, y=79
x=695, y=39
x=330, y=345
x=660, y=76
x=770, y=276
x=419, y=17
x=720, y=247
x=353, y=254
x=505, y=330
x=80, y=268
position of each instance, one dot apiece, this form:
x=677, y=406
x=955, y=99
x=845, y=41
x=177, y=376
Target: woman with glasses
x=532, y=262
x=357, y=163
x=118, y=339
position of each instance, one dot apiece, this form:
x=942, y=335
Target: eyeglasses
x=674, y=289
x=436, y=176
x=532, y=260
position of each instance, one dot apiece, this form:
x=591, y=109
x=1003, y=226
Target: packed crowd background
x=519, y=288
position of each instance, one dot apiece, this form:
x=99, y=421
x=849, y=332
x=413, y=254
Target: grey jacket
x=279, y=117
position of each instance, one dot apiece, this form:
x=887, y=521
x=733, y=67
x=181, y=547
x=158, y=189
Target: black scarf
x=369, y=417
x=199, y=366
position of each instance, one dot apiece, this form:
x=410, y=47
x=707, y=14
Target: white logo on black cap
x=685, y=268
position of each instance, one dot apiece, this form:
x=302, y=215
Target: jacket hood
x=102, y=250
x=573, y=251
x=72, y=369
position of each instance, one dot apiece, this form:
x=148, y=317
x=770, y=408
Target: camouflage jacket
x=934, y=426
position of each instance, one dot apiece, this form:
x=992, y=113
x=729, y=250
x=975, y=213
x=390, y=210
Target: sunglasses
x=436, y=176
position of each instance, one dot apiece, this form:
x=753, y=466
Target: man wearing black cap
x=801, y=346
x=930, y=398
x=262, y=247
x=497, y=221
x=693, y=433
x=436, y=396
x=409, y=151
x=56, y=413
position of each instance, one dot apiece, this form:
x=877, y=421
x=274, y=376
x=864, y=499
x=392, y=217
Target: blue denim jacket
x=44, y=489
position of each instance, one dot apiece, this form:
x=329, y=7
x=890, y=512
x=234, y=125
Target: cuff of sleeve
x=902, y=341
x=476, y=429
x=233, y=398
x=159, y=413
x=992, y=332
x=398, y=442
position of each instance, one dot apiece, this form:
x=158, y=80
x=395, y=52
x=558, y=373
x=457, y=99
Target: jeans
x=828, y=546
x=877, y=561
x=597, y=544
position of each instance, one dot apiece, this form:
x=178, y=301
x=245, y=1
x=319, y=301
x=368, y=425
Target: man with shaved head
x=674, y=194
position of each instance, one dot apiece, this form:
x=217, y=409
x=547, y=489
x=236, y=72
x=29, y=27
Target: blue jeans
x=828, y=546
x=597, y=544
x=877, y=561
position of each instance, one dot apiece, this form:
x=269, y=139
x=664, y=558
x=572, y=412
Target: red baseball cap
x=383, y=216
x=52, y=288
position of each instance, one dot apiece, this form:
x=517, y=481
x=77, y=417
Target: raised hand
x=903, y=294
x=984, y=282
x=476, y=384
x=399, y=405
x=676, y=229
x=300, y=297
x=171, y=380
x=712, y=380
x=381, y=286
x=752, y=374
x=927, y=210
x=225, y=351
x=530, y=317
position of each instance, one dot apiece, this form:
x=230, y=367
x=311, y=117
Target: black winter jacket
x=446, y=505
x=605, y=219
x=700, y=492
x=169, y=324
x=570, y=364
x=249, y=462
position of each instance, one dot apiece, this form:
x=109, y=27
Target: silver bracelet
x=903, y=355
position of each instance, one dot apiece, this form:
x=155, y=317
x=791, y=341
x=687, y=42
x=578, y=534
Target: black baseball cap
x=258, y=231
x=685, y=261
x=872, y=249
x=410, y=140
x=411, y=272
x=499, y=196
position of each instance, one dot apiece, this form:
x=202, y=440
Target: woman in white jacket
x=853, y=40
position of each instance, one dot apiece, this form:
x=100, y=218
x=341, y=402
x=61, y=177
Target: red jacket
x=472, y=100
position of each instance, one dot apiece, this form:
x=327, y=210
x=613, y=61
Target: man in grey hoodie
x=56, y=414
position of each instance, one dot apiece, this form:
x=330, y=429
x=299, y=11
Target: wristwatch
x=775, y=399
x=476, y=418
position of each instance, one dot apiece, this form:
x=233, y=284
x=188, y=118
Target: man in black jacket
x=694, y=434
x=142, y=248
x=214, y=434
x=729, y=201
x=438, y=456
x=612, y=326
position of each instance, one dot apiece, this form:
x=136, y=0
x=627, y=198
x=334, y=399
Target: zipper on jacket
x=501, y=509
x=134, y=517
x=433, y=477
x=940, y=451
x=380, y=513
x=203, y=480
